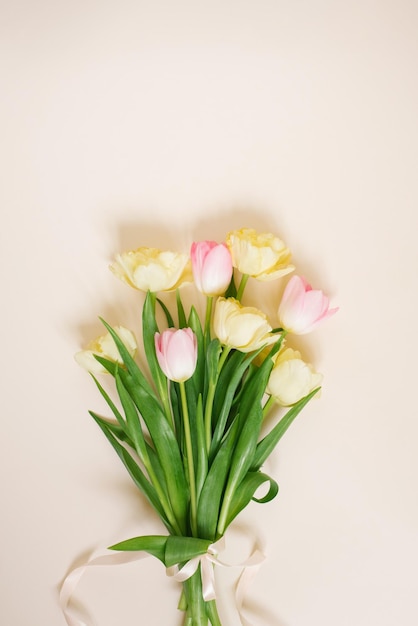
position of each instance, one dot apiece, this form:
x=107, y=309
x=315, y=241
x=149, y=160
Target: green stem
x=224, y=512
x=196, y=614
x=190, y=462
x=198, y=611
x=164, y=395
x=244, y=280
x=212, y=611
x=268, y=406
x=209, y=306
x=208, y=415
x=160, y=380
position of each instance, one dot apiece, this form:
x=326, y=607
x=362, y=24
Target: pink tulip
x=302, y=307
x=176, y=353
x=212, y=267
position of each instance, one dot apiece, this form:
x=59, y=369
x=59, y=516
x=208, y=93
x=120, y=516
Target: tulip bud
x=241, y=327
x=105, y=347
x=212, y=267
x=302, y=308
x=176, y=353
x=291, y=379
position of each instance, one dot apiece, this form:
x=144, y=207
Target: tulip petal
x=217, y=271
x=150, y=269
x=212, y=267
x=176, y=352
x=261, y=255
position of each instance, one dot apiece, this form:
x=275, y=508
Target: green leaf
x=251, y=416
x=171, y=550
x=165, y=445
x=119, y=433
x=213, y=488
x=267, y=445
x=132, y=419
x=199, y=374
x=180, y=310
x=245, y=493
x=225, y=376
x=226, y=390
x=134, y=470
x=128, y=361
x=167, y=313
x=158, y=470
x=231, y=292
x=110, y=366
x=153, y=544
x=112, y=406
x=213, y=352
x=149, y=328
x=250, y=419
x=180, y=549
x=202, y=459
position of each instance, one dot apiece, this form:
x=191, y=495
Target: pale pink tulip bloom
x=212, y=267
x=176, y=353
x=303, y=308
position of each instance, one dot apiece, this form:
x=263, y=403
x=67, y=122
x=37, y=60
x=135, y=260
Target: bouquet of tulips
x=188, y=429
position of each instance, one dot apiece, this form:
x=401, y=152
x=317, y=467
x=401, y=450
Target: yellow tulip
x=244, y=328
x=105, y=347
x=149, y=269
x=261, y=255
x=291, y=378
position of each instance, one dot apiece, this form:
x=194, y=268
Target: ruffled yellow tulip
x=150, y=269
x=261, y=255
x=105, y=347
x=291, y=378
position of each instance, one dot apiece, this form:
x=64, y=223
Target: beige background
x=156, y=123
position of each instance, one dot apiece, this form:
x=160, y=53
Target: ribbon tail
x=100, y=557
x=208, y=579
x=251, y=567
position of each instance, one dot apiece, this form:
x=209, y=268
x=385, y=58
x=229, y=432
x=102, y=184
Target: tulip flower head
x=303, y=308
x=176, y=353
x=105, y=347
x=212, y=267
x=150, y=269
x=291, y=379
x=244, y=328
x=261, y=255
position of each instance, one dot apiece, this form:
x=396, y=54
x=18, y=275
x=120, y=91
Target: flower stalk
x=242, y=285
x=190, y=461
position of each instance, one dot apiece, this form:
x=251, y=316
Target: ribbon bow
x=206, y=569
x=205, y=560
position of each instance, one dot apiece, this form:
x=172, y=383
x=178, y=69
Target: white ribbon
x=207, y=572
x=206, y=562
x=206, y=569
x=99, y=557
